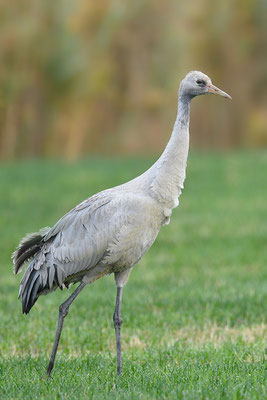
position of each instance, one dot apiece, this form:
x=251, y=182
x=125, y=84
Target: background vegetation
x=102, y=76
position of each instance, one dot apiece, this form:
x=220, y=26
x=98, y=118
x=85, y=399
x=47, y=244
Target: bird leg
x=117, y=319
x=63, y=311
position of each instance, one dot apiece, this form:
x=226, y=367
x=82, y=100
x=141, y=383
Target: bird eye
x=201, y=82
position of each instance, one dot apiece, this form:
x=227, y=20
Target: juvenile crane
x=110, y=231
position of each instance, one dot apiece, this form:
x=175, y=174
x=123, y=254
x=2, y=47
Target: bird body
x=110, y=231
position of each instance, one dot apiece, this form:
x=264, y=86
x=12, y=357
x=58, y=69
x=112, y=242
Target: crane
x=110, y=231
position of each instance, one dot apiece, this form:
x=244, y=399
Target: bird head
x=196, y=83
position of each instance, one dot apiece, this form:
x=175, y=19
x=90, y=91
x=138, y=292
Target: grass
x=194, y=308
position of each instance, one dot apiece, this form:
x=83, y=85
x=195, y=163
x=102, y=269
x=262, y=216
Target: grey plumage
x=110, y=231
x=102, y=231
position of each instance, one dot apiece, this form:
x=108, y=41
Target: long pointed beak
x=213, y=89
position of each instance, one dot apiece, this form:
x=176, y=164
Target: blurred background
x=81, y=77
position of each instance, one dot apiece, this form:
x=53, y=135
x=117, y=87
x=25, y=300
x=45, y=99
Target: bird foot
x=46, y=376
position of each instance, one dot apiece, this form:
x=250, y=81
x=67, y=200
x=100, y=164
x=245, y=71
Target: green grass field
x=194, y=308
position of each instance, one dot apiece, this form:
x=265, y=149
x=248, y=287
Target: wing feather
x=79, y=240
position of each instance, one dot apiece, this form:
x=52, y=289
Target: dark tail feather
x=27, y=248
x=30, y=291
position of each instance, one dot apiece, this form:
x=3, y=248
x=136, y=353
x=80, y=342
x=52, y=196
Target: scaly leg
x=63, y=311
x=117, y=319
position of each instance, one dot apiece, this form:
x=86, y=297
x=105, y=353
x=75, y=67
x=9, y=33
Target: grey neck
x=183, y=113
x=170, y=167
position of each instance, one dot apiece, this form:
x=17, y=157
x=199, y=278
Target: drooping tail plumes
x=30, y=284
x=27, y=248
x=29, y=288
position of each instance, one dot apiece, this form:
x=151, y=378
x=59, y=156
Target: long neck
x=170, y=167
